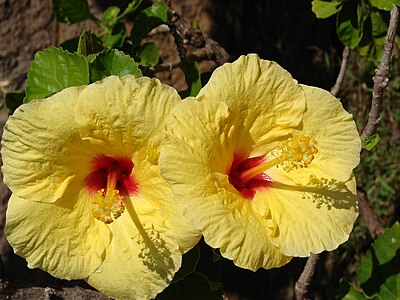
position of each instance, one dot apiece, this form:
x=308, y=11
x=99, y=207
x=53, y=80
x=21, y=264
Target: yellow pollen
x=108, y=205
x=294, y=153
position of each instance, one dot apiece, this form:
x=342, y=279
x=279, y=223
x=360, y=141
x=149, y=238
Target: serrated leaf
x=379, y=270
x=53, y=70
x=195, y=286
x=193, y=79
x=113, y=62
x=189, y=262
x=349, y=27
x=13, y=100
x=324, y=9
x=371, y=142
x=147, y=20
x=89, y=43
x=111, y=15
x=148, y=54
x=72, y=11
x=382, y=4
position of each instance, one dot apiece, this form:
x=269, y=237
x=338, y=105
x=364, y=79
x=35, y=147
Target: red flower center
x=105, y=168
x=249, y=187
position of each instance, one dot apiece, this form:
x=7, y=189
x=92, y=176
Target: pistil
x=109, y=183
x=296, y=152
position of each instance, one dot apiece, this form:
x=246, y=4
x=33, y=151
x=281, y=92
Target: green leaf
x=72, y=11
x=113, y=62
x=193, y=79
x=53, y=70
x=382, y=4
x=324, y=9
x=131, y=8
x=148, y=54
x=371, y=142
x=353, y=294
x=189, y=262
x=195, y=286
x=13, y=100
x=372, y=43
x=397, y=2
x=349, y=27
x=379, y=270
x=117, y=37
x=111, y=15
x=89, y=43
x=148, y=19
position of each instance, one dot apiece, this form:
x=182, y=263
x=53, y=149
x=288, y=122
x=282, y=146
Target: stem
x=339, y=80
x=101, y=25
x=304, y=281
x=381, y=79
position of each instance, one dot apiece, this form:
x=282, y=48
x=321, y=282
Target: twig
x=381, y=79
x=192, y=45
x=339, y=80
x=159, y=30
x=178, y=37
x=304, y=281
x=368, y=215
x=168, y=66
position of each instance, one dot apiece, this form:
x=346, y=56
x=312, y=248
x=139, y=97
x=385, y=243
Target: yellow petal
x=141, y=260
x=43, y=153
x=334, y=129
x=312, y=218
x=202, y=137
x=315, y=207
x=265, y=95
x=155, y=193
x=125, y=114
x=62, y=239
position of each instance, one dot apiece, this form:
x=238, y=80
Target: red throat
x=105, y=167
x=247, y=188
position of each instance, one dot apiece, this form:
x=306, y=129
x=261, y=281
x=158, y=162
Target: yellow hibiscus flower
x=263, y=165
x=88, y=199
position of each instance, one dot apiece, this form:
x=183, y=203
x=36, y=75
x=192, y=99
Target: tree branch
x=168, y=66
x=304, y=281
x=381, y=79
x=191, y=43
x=343, y=66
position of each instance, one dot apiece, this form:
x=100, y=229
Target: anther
x=298, y=152
x=108, y=204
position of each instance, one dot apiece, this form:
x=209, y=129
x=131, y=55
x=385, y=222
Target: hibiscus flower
x=262, y=165
x=88, y=199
